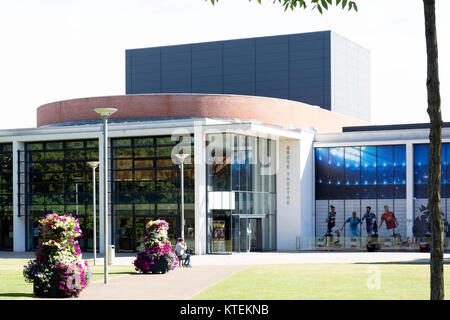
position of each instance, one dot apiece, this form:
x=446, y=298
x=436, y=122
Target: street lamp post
x=76, y=179
x=94, y=165
x=105, y=113
x=181, y=157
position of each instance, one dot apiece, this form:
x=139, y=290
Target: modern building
x=317, y=68
x=261, y=176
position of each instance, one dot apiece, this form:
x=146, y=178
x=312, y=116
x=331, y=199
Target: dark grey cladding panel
x=313, y=100
x=128, y=73
x=305, y=62
x=308, y=36
x=239, y=43
x=277, y=66
x=408, y=126
x=309, y=91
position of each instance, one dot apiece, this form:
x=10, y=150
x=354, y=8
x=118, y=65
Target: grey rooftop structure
x=317, y=68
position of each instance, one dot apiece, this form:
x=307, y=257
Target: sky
x=55, y=50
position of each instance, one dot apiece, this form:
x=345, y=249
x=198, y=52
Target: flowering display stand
x=58, y=270
x=155, y=254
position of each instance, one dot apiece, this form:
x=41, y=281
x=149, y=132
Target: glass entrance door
x=124, y=234
x=6, y=231
x=255, y=234
x=244, y=239
x=247, y=234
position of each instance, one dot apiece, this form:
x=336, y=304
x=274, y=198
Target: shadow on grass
x=17, y=295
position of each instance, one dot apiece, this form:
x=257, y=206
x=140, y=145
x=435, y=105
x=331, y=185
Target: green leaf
x=324, y=4
x=337, y=2
x=344, y=3
x=319, y=8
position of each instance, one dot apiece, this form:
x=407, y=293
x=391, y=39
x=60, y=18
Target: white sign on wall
x=218, y=200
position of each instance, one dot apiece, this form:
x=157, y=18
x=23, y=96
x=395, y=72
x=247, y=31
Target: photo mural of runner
x=360, y=179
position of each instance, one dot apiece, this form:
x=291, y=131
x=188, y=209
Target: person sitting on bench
x=180, y=250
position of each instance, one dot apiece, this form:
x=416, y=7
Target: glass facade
x=6, y=197
x=241, y=186
x=421, y=224
x=146, y=186
x=58, y=179
x=352, y=178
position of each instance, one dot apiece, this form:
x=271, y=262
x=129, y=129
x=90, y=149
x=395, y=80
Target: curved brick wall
x=274, y=111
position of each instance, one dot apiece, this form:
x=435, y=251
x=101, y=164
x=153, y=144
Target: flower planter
x=53, y=291
x=160, y=266
x=156, y=254
x=58, y=270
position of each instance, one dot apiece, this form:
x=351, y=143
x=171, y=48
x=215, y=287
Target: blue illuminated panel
x=367, y=172
x=446, y=163
x=352, y=172
x=336, y=173
x=421, y=157
x=322, y=181
x=399, y=172
x=385, y=172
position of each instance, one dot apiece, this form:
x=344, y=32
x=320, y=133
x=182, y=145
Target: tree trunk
x=434, y=185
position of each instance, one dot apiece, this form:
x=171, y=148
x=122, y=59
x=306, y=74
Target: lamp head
x=105, y=112
x=93, y=164
x=182, y=156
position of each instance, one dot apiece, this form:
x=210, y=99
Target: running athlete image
x=331, y=223
x=371, y=222
x=354, y=222
x=391, y=221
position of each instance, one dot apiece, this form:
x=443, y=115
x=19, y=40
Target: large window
x=241, y=193
x=421, y=214
x=146, y=186
x=353, y=178
x=6, y=200
x=58, y=179
x=368, y=172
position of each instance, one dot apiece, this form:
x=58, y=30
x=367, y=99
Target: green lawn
x=13, y=285
x=326, y=281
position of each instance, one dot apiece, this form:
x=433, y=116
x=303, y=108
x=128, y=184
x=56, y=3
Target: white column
x=101, y=189
x=288, y=194
x=409, y=189
x=18, y=222
x=306, y=190
x=200, y=188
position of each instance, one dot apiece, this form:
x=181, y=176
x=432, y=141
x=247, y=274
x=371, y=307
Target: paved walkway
x=178, y=284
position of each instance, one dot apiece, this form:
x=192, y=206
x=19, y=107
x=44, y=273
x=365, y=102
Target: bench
x=181, y=261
